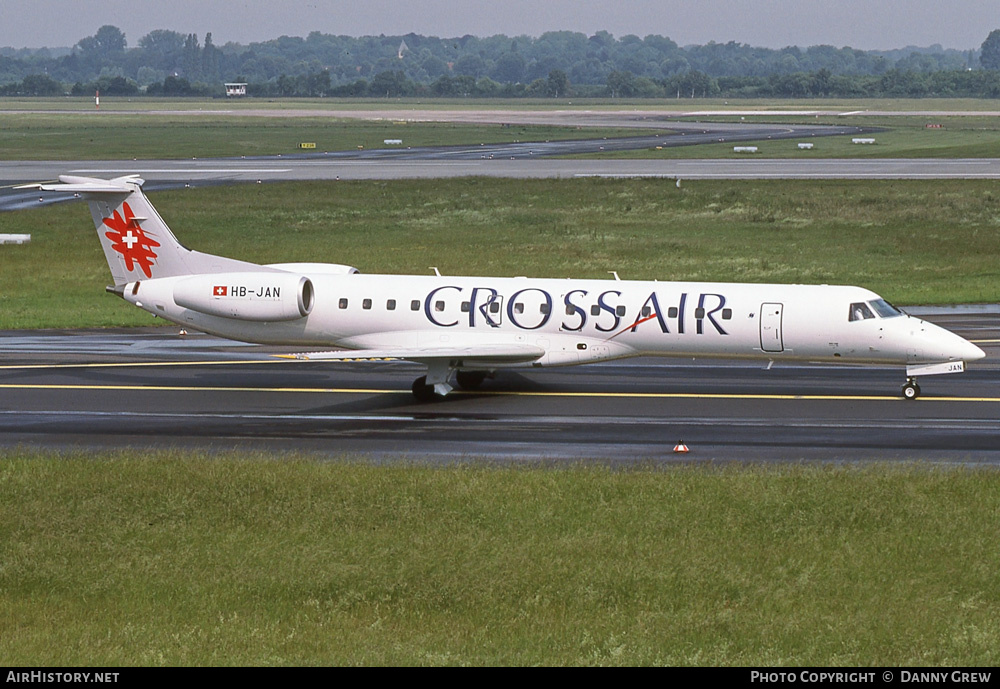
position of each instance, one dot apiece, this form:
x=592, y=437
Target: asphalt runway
x=173, y=174
x=152, y=388
x=525, y=160
x=515, y=159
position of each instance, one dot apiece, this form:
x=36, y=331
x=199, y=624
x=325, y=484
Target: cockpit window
x=884, y=309
x=860, y=312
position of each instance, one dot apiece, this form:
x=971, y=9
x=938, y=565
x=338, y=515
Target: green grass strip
x=903, y=137
x=123, y=136
x=171, y=558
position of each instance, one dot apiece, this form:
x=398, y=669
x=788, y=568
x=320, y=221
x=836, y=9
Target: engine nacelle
x=247, y=296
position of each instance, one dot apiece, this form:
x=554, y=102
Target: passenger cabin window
x=390, y=305
x=439, y=306
x=466, y=306
x=415, y=305
x=343, y=304
x=860, y=312
x=366, y=304
x=494, y=307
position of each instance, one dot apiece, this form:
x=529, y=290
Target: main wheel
x=470, y=380
x=422, y=391
x=911, y=391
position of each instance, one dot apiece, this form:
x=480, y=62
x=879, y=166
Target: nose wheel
x=911, y=390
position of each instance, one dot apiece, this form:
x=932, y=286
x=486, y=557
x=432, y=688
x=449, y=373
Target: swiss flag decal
x=220, y=291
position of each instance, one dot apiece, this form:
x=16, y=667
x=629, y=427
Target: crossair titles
x=487, y=305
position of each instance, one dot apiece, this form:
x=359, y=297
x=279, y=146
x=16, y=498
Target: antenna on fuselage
x=615, y=273
x=436, y=271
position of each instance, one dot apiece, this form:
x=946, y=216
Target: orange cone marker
x=681, y=448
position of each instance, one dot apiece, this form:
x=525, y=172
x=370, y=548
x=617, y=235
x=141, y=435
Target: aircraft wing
x=480, y=355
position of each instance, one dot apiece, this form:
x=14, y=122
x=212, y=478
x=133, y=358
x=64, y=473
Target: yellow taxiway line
x=138, y=364
x=492, y=393
x=376, y=391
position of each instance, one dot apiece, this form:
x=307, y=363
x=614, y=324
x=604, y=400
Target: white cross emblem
x=130, y=240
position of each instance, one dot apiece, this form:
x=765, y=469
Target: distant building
x=236, y=90
x=403, y=48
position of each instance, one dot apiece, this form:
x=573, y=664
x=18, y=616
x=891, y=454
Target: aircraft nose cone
x=958, y=348
x=973, y=352
x=944, y=345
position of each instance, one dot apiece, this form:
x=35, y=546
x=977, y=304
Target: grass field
x=107, y=135
x=176, y=559
x=903, y=137
x=913, y=242
x=69, y=128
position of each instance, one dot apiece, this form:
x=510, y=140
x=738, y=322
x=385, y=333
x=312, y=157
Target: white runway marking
x=181, y=170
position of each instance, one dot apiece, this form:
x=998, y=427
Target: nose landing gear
x=911, y=390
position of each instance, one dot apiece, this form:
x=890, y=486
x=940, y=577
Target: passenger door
x=770, y=328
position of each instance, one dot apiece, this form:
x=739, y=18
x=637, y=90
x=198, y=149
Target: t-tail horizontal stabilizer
x=89, y=185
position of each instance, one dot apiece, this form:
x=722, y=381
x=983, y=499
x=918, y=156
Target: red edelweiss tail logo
x=128, y=239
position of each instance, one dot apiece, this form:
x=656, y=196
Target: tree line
x=556, y=64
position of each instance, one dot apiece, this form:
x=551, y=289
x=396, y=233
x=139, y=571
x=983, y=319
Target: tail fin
x=137, y=244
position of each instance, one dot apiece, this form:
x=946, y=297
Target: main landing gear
x=911, y=390
x=422, y=391
x=470, y=380
x=467, y=380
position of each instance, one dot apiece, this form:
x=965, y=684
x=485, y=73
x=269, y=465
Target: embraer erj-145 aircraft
x=466, y=328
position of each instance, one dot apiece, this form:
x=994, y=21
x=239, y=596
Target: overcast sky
x=865, y=24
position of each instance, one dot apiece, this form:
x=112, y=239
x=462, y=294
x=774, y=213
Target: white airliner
x=466, y=328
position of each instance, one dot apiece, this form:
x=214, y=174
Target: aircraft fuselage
x=573, y=321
